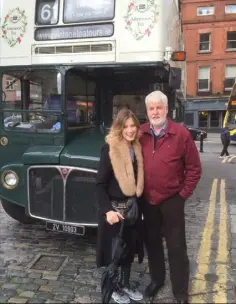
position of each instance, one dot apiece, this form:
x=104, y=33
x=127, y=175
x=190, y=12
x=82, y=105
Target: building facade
x=210, y=42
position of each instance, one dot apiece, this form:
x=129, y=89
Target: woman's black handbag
x=128, y=209
x=110, y=276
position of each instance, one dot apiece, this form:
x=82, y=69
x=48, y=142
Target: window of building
x=203, y=119
x=189, y=119
x=230, y=9
x=205, y=10
x=230, y=76
x=231, y=40
x=204, y=79
x=204, y=42
x=215, y=119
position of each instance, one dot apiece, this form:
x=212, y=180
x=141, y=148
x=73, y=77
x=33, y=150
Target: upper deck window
x=76, y=11
x=47, y=12
x=205, y=10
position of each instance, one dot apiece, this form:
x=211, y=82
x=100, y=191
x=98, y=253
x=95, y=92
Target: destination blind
x=76, y=11
x=79, y=18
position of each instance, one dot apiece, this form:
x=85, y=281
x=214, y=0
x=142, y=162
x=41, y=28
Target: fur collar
x=123, y=167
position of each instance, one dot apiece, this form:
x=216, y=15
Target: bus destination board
x=74, y=32
x=47, y=12
x=76, y=11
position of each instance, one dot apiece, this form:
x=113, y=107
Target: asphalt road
x=37, y=266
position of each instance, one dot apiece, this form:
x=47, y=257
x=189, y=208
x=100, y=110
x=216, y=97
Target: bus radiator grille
x=46, y=193
x=66, y=197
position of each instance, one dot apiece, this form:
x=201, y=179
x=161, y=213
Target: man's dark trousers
x=225, y=148
x=170, y=217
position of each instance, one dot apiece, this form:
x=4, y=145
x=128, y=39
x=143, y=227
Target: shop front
x=205, y=113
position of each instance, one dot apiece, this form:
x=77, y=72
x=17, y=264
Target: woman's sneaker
x=133, y=294
x=120, y=297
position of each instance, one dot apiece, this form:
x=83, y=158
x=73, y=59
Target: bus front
x=67, y=67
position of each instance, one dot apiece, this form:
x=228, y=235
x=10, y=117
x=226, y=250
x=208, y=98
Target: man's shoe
x=152, y=289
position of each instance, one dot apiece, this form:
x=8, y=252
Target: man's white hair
x=156, y=96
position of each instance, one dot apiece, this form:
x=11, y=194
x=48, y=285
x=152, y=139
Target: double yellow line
x=200, y=286
x=228, y=159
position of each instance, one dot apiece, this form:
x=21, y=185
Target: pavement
x=37, y=266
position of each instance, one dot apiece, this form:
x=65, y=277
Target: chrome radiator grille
x=62, y=193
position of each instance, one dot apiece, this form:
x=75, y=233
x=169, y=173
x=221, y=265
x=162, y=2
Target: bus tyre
x=16, y=212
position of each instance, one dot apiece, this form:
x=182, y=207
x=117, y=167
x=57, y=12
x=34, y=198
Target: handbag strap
x=122, y=224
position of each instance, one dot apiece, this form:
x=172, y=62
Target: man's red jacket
x=173, y=167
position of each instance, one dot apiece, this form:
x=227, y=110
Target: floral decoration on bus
x=14, y=26
x=141, y=17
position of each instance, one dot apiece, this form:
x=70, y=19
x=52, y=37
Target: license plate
x=79, y=230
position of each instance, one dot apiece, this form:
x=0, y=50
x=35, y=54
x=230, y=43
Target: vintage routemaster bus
x=66, y=68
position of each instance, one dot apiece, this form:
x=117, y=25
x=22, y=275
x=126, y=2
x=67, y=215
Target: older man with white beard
x=172, y=170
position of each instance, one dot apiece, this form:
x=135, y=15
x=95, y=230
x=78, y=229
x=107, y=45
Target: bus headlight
x=3, y=141
x=9, y=179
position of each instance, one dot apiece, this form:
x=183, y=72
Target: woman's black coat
x=108, y=189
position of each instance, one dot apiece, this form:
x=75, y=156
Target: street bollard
x=201, y=143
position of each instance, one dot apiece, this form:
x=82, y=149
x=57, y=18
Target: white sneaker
x=221, y=157
x=133, y=294
x=120, y=297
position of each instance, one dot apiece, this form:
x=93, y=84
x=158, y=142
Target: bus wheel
x=16, y=212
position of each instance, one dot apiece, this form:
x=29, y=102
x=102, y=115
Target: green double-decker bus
x=63, y=79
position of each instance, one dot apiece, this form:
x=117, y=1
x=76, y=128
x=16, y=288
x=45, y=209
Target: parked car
x=195, y=132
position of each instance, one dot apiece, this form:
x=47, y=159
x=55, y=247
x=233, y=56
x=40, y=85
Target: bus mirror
x=178, y=56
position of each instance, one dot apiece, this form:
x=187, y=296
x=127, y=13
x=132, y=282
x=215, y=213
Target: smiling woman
x=119, y=184
x=125, y=126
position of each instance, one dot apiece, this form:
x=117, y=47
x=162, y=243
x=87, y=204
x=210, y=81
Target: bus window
x=135, y=103
x=32, y=102
x=232, y=118
x=80, y=99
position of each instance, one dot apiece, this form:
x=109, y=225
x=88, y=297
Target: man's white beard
x=158, y=123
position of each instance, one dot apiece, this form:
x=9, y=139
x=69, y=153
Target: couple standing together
x=159, y=164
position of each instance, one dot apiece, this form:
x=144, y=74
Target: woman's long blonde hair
x=118, y=124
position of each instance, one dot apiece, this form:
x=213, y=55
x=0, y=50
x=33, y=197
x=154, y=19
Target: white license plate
x=79, y=230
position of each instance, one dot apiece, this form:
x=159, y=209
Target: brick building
x=210, y=42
